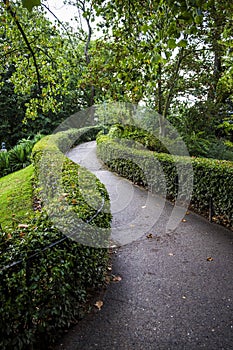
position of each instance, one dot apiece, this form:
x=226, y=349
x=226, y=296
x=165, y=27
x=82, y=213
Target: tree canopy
x=174, y=56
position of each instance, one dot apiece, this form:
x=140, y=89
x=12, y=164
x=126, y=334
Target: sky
x=63, y=12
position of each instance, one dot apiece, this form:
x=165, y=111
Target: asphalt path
x=172, y=291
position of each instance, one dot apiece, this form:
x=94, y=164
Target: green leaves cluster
x=18, y=157
x=41, y=71
x=29, y=4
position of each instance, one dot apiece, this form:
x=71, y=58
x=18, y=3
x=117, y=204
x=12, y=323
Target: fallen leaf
x=150, y=235
x=144, y=206
x=74, y=201
x=109, y=268
x=22, y=226
x=188, y=212
x=117, y=279
x=184, y=220
x=99, y=304
x=107, y=279
x=209, y=258
x=171, y=254
x=183, y=297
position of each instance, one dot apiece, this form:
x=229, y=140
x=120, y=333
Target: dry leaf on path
x=99, y=304
x=209, y=258
x=117, y=279
x=150, y=235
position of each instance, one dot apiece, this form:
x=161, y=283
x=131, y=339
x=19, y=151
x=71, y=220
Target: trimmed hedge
x=212, y=178
x=46, y=287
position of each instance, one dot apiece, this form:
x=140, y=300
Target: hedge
x=213, y=179
x=46, y=286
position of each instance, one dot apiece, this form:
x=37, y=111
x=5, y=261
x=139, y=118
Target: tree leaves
x=29, y=4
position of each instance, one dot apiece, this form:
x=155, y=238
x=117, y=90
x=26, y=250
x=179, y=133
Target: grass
x=16, y=198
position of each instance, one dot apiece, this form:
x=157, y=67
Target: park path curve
x=176, y=290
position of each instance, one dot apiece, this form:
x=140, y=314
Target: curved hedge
x=212, y=178
x=47, y=278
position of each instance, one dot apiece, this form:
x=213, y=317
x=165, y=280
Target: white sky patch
x=67, y=14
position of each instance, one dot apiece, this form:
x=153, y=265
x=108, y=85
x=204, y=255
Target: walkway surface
x=175, y=290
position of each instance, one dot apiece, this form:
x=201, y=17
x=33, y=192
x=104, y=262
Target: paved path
x=170, y=295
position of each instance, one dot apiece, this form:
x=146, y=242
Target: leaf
x=171, y=43
x=117, y=279
x=29, y=4
x=184, y=220
x=99, y=304
x=182, y=43
x=171, y=254
x=209, y=258
x=150, y=235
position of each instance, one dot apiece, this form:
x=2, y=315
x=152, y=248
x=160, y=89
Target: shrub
x=18, y=157
x=212, y=178
x=4, y=163
x=46, y=277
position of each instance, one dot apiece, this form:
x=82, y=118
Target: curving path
x=171, y=296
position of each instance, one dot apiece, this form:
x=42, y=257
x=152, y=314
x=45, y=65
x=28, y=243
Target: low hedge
x=47, y=278
x=212, y=178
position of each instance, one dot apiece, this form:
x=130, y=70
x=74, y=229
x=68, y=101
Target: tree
x=46, y=100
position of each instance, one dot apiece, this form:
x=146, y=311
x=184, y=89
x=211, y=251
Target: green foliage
x=140, y=138
x=45, y=294
x=43, y=72
x=29, y=4
x=4, y=164
x=16, y=198
x=212, y=178
x=18, y=157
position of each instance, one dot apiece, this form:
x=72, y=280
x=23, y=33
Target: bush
x=138, y=138
x=46, y=277
x=212, y=178
x=4, y=164
x=18, y=157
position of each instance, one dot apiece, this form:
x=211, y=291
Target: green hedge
x=212, y=178
x=44, y=293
